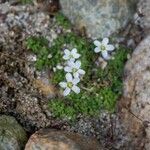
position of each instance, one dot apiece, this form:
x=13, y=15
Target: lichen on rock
x=12, y=135
x=100, y=18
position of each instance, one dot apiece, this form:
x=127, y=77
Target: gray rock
x=60, y=140
x=12, y=135
x=100, y=17
x=144, y=11
x=135, y=104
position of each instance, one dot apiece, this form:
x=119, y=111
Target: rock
x=135, y=104
x=50, y=6
x=18, y=95
x=43, y=84
x=60, y=140
x=144, y=14
x=101, y=18
x=12, y=135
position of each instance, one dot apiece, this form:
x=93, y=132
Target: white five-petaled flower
x=70, y=84
x=71, y=55
x=74, y=68
x=103, y=47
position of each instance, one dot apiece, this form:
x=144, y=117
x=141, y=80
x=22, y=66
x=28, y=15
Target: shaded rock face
x=144, y=11
x=135, y=104
x=12, y=135
x=100, y=17
x=60, y=140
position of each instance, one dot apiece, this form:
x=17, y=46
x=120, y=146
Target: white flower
x=103, y=47
x=59, y=67
x=49, y=56
x=71, y=55
x=74, y=67
x=70, y=85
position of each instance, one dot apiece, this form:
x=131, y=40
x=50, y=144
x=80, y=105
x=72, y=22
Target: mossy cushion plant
x=26, y=1
x=99, y=88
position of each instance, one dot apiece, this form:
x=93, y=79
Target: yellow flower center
x=103, y=48
x=74, y=70
x=71, y=56
x=69, y=84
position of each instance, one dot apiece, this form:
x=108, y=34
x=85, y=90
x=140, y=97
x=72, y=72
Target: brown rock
x=47, y=139
x=135, y=104
x=50, y=6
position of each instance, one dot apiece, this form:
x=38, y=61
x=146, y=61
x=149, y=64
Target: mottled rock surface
x=12, y=135
x=144, y=14
x=135, y=104
x=24, y=92
x=60, y=140
x=100, y=17
x=19, y=95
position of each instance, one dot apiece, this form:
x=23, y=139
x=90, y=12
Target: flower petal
x=69, y=77
x=105, y=55
x=78, y=64
x=71, y=59
x=74, y=51
x=110, y=47
x=66, y=91
x=76, y=75
x=68, y=69
x=76, y=55
x=67, y=52
x=76, y=89
x=71, y=64
x=59, y=67
x=97, y=50
x=66, y=57
x=80, y=71
x=75, y=81
x=105, y=41
x=63, y=84
x=97, y=43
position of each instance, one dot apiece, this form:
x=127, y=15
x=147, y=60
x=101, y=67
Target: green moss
x=39, y=46
x=100, y=88
x=26, y=1
x=72, y=41
x=86, y=103
x=62, y=20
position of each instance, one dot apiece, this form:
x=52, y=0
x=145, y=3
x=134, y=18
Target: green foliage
x=108, y=98
x=72, y=41
x=60, y=109
x=86, y=103
x=112, y=74
x=39, y=46
x=62, y=21
x=100, y=88
x=26, y=1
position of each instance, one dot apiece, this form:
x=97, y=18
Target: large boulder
x=135, y=104
x=12, y=135
x=100, y=17
x=60, y=140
